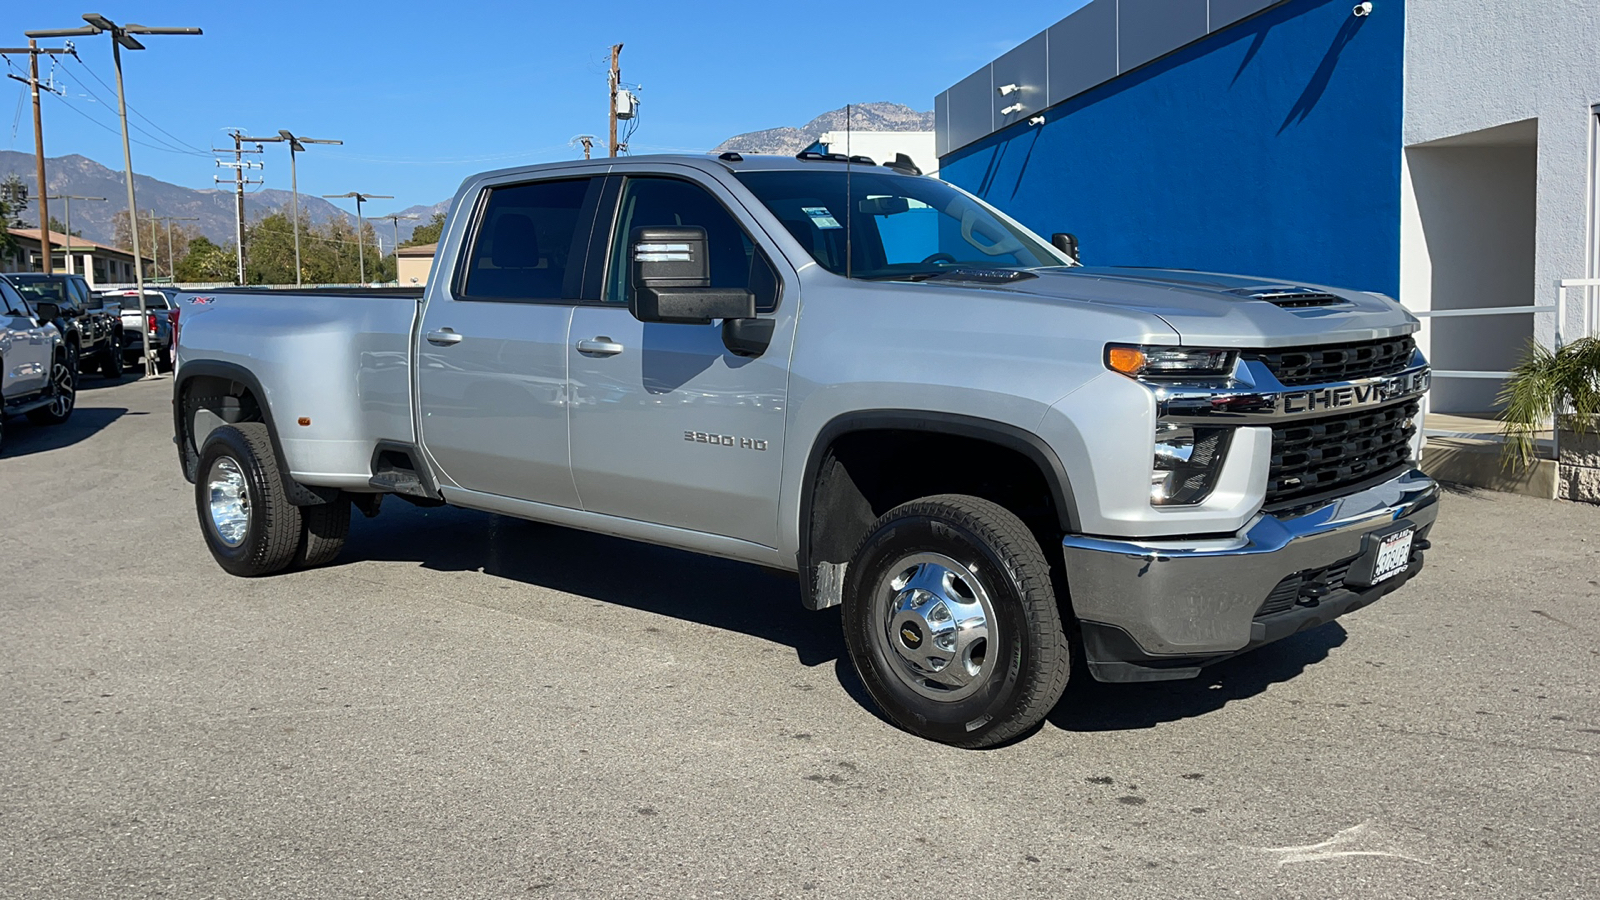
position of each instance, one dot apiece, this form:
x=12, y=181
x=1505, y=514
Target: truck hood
x=1217, y=310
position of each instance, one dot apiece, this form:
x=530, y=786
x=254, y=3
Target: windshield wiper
x=979, y=276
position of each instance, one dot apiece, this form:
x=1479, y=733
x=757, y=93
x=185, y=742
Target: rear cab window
x=530, y=241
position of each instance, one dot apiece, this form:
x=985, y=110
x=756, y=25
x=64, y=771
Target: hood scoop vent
x=1289, y=297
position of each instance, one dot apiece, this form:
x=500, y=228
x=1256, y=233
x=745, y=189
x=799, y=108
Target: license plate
x=1393, y=555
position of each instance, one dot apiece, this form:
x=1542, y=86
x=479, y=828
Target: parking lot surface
x=465, y=705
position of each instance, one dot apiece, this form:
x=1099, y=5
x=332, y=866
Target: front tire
x=64, y=388
x=951, y=621
x=249, y=524
x=111, y=366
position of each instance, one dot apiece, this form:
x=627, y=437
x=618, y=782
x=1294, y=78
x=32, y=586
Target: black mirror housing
x=670, y=270
x=47, y=311
x=1067, y=243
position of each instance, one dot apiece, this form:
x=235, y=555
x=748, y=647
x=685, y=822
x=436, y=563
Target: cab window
x=12, y=301
x=528, y=244
x=736, y=262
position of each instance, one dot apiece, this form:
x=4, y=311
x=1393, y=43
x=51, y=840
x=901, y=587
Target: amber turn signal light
x=1127, y=360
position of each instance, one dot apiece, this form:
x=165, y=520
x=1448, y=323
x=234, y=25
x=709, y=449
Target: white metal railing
x=1590, y=318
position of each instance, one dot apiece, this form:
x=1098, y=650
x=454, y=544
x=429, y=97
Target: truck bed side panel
x=338, y=363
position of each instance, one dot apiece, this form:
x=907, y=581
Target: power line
x=171, y=147
x=135, y=111
x=95, y=121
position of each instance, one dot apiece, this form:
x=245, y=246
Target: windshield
x=130, y=300
x=37, y=290
x=898, y=226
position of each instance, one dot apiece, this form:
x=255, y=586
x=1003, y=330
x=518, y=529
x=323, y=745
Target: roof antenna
x=849, y=166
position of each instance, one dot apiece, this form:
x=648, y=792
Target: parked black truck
x=92, y=332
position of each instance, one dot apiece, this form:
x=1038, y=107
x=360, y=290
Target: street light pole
x=296, y=145
x=67, y=199
x=122, y=36
x=395, y=218
x=361, y=244
x=172, y=260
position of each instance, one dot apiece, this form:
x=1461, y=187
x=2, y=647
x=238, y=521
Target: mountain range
x=213, y=209
x=862, y=117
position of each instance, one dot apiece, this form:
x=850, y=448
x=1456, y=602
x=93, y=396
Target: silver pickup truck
x=992, y=457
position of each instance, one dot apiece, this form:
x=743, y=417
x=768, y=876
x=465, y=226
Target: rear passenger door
x=492, y=349
x=668, y=426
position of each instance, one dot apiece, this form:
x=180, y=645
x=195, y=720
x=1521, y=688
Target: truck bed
x=305, y=348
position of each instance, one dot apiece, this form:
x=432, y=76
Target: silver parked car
x=36, y=373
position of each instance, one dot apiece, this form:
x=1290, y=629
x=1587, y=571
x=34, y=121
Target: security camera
x=1362, y=9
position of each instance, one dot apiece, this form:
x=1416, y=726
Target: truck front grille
x=1295, y=366
x=1316, y=456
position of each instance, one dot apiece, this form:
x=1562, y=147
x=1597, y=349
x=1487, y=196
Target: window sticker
x=820, y=217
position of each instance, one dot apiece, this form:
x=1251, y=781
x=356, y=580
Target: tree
x=13, y=200
x=205, y=261
x=56, y=226
x=269, y=248
x=427, y=234
x=11, y=206
x=329, y=252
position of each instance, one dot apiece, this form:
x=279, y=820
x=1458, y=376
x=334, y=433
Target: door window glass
x=529, y=245
x=736, y=262
x=10, y=300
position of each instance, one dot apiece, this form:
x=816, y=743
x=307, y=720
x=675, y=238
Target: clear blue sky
x=424, y=93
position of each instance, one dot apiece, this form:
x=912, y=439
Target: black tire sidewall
x=962, y=721
x=252, y=556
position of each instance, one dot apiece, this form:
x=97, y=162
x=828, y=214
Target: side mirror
x=47, y=311
x=1067, y=243
x=670, y=269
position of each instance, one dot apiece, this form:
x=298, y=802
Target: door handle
x=600, y=346
x=443, y=337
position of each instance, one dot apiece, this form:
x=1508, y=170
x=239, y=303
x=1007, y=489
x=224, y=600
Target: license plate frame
x=1385, y=555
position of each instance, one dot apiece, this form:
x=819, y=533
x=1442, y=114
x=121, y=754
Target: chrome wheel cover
x=66, y=393
x=935, y=624
x=230, y=501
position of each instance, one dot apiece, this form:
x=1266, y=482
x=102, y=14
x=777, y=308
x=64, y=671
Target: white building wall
x=1472, y=65
x=883, y=145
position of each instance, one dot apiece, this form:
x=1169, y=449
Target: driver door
x=668, y=425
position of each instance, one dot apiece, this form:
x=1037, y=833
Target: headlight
x=1186, y=463
x=1169, y=362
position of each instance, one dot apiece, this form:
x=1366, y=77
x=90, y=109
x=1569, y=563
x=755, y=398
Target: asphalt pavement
x=465, y=705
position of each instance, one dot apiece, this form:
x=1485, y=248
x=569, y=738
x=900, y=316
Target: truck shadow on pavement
x=1089, y=705
x=720, y=593
x=766, y=604
x=23, y=437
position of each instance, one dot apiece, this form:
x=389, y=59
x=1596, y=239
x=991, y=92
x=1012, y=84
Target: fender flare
x=1005, y=435
x=299, y=494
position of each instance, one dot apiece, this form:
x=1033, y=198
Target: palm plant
x=1544, y=386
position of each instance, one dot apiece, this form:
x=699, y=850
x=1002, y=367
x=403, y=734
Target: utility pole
x=123, y=36
x=172, y=260
x=67, y=200
x=155, y=249
x=33, y=50
x=296, y=145
x=239, y=167
x=361, y=244
x=611, y=111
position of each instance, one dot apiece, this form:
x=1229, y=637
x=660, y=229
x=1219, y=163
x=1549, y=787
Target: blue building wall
x=1270, y=148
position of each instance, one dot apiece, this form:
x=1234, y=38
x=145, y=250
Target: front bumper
x=1161, y=609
